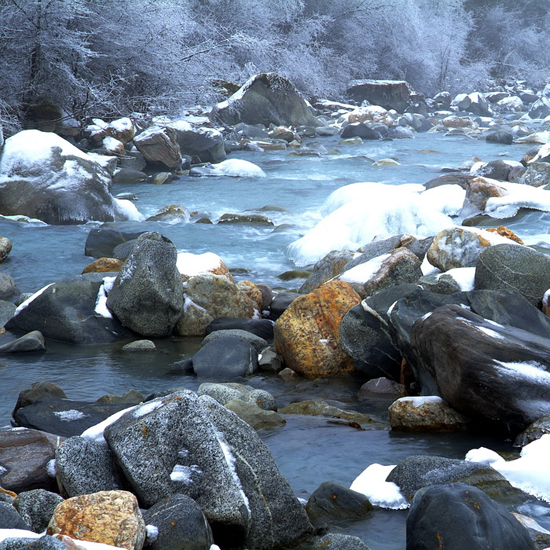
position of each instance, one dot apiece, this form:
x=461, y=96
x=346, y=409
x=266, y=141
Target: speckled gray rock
x=43, y=543
x=36, y=507
x=7, y=311
x=147, y=295
x=328, y=267
x=140, y=345
x=416, y=472
x=256, y=341
x=33, y=341
x=512, y=266
x=338, y=541
x=223, y=393
x=180, y=523
x=8, y=288
x=226, y=357
x=212, y=456
x=84, y=466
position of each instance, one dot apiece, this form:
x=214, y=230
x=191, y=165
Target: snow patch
x=420, y=400
x=184, y=474
x=190, y=265
x=146, y=408
x=101, y=300
x=95, y=433
x=69, y=416
x=152, y=533
x=24, y=304
x=51, y=468
x=372, y=483
x=364, y=272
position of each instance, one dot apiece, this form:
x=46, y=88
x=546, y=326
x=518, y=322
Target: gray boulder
x=359, y=129
x=510, y=266
x=533, y=432
x=159, y=147
x=210, y=455
x=24, y=543
x=202, y=144
x=327, y=268
x=226, y=357
x=147, y=295
x=180, y=525
x=339, y=541
x=255, y=341
x=102, y=241
x=265, y=99
x=390, y=94
x=84, y=466
x=33, y=341
x=36, y=507
x=65, y=310
x=540, y=108
x=56, y=183
x=223, y=393
x=460, y=516
x=10, y=518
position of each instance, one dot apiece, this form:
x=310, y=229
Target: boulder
x=104, y=265
x=147, y=295
x=107, y=517
x=390, y=94
x=43, y=176
x=10, y=518
x=507, y=266
x=223, y=393
x=24, y=458
x=361, y=130
x=450, y=179
x=338, y=541
x=495, y=169
x=33, y=341
x=212, y=456
x=84, y=466
x=282, y=300
x=64, y=417
x=202, y=144
x=208, y=297
x=5, y=248
x=226, y=358
x=178, y=524
x=419, y=471
x=263, y=328
x=540, y=108
x=140, y=346
x=266, y=99
x=102, y=241
x=307, y=333
x=38, y=390
x=254, y=416
x=533, y=432
x=317, y=407
x=334, y=504
x=8, y=288
x=380, y=387
x=536, y=175
x=478, y=191
x=459, y=516
x=425, y=414
x=36, y=507
x=500, y=136
x=482, y=369
x=327, y=268
x=159, y=147
x=65, y=310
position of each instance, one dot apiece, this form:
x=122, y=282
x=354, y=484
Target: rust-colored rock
x=252, y=291
x=478, y=192
x=108, y=517
x=505, y=232
x=104, y=265
x=307, y=333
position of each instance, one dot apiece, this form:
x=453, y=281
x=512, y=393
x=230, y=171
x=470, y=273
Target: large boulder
x=159, y=147
x=507, y=266
x=202, y=144
x=209, y=297
x=390, y=94
x=66, y=310
x=36, y=507
x=265, y=99
x=213, y=457
x=43, y=176
x=307, y=333
x=24, y=458
x=459, y=516
x=482, y=369
x=107, y=517
x=147, y=295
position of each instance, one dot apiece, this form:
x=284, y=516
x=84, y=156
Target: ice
x=372, y=483
x=463, y=276
x=129, y=210
x=146, y=408
x=518, y=196
x=95, y=433
x=237, y=168
x=529, y=473
x=359, y=212
x=447, y=199
x=364, y=272
x=101, y=300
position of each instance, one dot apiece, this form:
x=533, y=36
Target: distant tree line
x=112, y=57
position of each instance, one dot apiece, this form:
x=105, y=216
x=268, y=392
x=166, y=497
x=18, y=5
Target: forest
x=116, y=57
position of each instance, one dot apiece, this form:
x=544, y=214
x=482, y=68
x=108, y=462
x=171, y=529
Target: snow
x=51, y=468
x=95, y=433
x=152, y=533
x=33, y=147
x=518, y=196
x=190, y=265
x=101, y=300
x=69, y=416
x=364, y=272
x=129, y=210
x=491, y=333
x=520, y=371
x=24, y=304
x=420, y=400
x=184, y=474
x=360, y=211
x=463, y=276
x=21, y=533
x=188, y=302
x=372, y=483
x=146, y=408
x=122, y=124
x=237, y=168
x=447, y=199
x=529, y=473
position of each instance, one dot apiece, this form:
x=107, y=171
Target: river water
x=309, y=451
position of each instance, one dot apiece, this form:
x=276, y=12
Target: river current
x=309, y=451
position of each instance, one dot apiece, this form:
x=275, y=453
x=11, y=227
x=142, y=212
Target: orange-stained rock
x=454, y=121
x=478, y=192
x=505, y=232
x=307, y=333
x=252, y=291
x=104, y=265
x=108, y=517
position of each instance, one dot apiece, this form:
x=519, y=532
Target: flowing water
x=309, y=451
